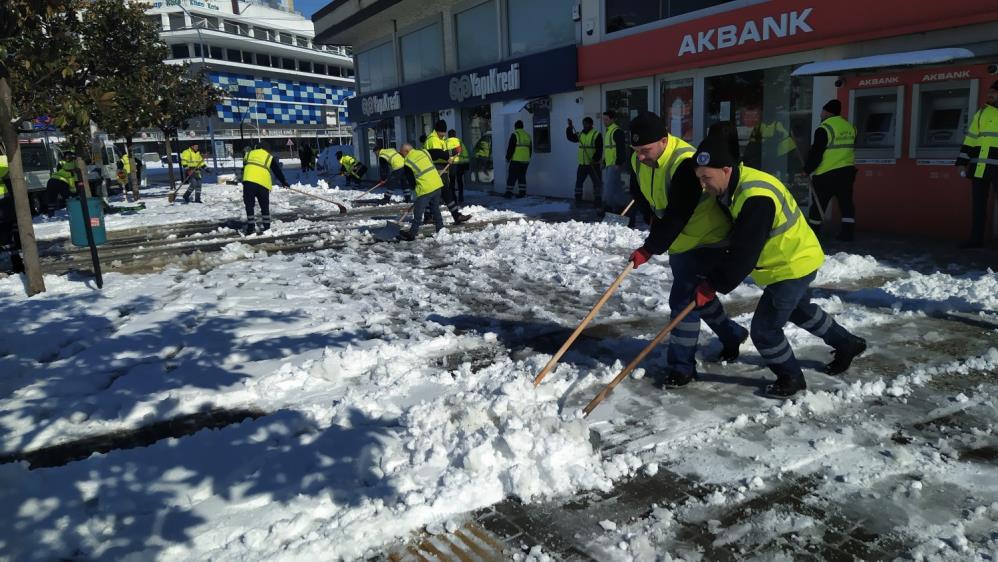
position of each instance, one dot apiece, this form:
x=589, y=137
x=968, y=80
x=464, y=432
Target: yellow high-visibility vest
x=256, y=168
x=609, y=148
x=587, y=147
x=427, y=178
x=840, y=151
x=983, y=135
x=521, y=152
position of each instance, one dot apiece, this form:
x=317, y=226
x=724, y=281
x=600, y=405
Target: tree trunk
x=133, y=177
x=169, y=161
x=25, y=228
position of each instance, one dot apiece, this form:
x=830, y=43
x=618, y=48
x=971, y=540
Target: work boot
x=249, y=230
x=508, y=195
x=521, y=194
x=459, y=218
x=847, y=233
x=407, y=236
x=785, y=387
x=674, y=379
x=844, y=355
x=187, y=198
x=198, y=200
x=730, y=350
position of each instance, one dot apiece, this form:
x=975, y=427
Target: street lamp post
x=204, y=64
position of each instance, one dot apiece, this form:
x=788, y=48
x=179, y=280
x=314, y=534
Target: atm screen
x=879, y=122
x=945, y=119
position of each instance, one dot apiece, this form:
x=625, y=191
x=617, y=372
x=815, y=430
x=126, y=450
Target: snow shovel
x=634, y=363
x=621, y=219
x=376, y=186
x=392, y=229
x=585, y=322
x=172, y=196
x=343, y=210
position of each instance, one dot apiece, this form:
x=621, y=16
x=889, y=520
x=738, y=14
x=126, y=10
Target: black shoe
x=249, y=230
x=521, y=195
x=187, y=199
x=459, y=218
x=730, y=350
x=197, y=201
x=674, y=379
x=407, y=236
x=508, y=195
x=844, y=355
x=784, y=388
x=971, y=244
x=16, y=263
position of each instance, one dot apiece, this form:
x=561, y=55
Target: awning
x=910, y=58
x=518, y=105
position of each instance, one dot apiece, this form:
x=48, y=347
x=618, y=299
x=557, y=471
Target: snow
x=909, y=58
x=388, y=388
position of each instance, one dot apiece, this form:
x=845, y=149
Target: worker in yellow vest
x=692, y=228
x=193, y=165
x=9, y=235
x=979, y=154
x=429, y=187
x=436, y=145
x=771, y=241
x=831, y=161
x=614, y=157
x=124, y=166
x=258, y=165
x=390, y=169
x=519, y=150
x=61, y=184
x=460, y=165
x=351, y=168
x=483, y=158
x=590, y=155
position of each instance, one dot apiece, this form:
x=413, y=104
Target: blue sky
x=309, y=7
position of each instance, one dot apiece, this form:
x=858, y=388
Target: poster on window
x=677, y=107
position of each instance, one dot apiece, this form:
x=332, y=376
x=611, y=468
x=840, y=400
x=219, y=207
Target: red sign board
x=768, y=29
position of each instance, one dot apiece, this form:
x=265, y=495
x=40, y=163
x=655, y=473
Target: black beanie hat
x=995, y=85
x=647, y=128
x=715, y=152
x=441, y=126
x=833, y=106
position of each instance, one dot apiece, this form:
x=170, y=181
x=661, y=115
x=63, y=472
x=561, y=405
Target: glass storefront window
x=627, y=103
x=477, y=36
x=376, y=69
x=535, y=26
x=624, y=14
x=476, y=128
x=419, y=124
x=422, y=54
x=771, y=111
x=943, y=110
x=677, y=107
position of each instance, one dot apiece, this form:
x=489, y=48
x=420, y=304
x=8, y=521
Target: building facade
x=909, y=76
x=277, y=84
x=479, y=65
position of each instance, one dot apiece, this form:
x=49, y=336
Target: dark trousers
x=398, y=179
x=194, y=185
x=9, y=235
x=837, y=183
x=427, y=203
x=979, y=205
x=686, y=269
x=790, y=300
x=252, y=194
x=448, y=193
x=457, y=180
x=355, y=176
x=517, y=174
x=589, y=171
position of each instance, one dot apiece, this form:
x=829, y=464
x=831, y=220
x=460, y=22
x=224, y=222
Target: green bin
x=77, y=230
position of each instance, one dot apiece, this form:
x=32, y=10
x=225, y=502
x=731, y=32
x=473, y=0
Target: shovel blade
x=387, y=233
x=172, y=196
x=613, y=218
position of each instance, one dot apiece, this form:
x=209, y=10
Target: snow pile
x=949, y=291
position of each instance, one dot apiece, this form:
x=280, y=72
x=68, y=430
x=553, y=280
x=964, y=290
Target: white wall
x=551, y=174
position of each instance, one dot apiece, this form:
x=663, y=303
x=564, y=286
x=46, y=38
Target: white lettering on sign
x=475, y=85
x=786, y=24
x=885, y=81
x=381, y=104
x=946, y=76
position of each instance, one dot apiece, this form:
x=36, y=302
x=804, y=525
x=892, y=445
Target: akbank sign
x=761, y=30
x=475, y=85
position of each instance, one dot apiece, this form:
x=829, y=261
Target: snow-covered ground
x=388, y=388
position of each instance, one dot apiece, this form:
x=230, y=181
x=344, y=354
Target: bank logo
x=474, y=85
x=381, y=104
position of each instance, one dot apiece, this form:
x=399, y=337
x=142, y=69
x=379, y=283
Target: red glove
x=704, y=293
x=640, y=256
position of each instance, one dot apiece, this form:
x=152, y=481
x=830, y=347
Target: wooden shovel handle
x=343, y=209
x=376, y=186
x=634, y=363
x=585, y=322
x=628, y=207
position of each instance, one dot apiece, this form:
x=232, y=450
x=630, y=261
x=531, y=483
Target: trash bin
x=77, y=230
